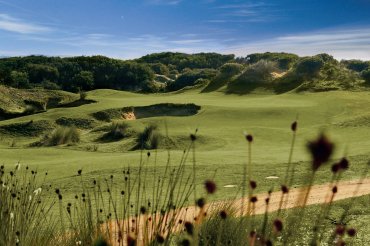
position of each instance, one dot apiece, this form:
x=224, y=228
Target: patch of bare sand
x=277, y=75
x=318, y=194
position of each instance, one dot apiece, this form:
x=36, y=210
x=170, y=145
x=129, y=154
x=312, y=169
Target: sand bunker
x=140, y=112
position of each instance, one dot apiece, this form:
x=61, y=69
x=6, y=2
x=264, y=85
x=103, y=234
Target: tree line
x=96, y=72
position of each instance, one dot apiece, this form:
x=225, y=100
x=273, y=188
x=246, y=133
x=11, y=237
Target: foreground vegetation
x=144, y=213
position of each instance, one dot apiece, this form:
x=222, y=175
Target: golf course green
x=220, y=149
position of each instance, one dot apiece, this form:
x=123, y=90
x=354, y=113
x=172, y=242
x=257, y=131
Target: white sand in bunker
x=129, y=116
x=318, y=194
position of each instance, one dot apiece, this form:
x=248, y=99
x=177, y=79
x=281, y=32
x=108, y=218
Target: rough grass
x=27, y=129
x=82, y=123
x=230, y=231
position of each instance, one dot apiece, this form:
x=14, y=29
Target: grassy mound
x=257, y=75
x=156, y=110
x=77, y=122
x=18, y=102
x=77, y=103
x=108, y=114
x=226, y=73
x=27, y=129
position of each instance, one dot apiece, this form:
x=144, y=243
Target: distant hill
x=169, y=71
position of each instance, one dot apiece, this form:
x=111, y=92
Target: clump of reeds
x=25, y=208
x=60, y=136
x=116, y=131
x=149, y=138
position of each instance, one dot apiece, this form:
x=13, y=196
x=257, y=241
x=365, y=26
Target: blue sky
x=132, y=28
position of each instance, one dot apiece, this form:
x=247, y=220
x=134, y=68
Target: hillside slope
x=17, y=102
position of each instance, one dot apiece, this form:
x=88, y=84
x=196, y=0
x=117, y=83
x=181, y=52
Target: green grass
x=221, y=148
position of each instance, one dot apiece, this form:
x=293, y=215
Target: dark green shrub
x=77, y=122
x=284, y=61
x=309, y=67
x=160, y=68
x=153, y=87
x=230, y=69
x=366, y=76
x=48, y=85
x=108, y=114
x=356, y=65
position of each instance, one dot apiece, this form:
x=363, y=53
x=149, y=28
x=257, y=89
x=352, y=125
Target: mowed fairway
x=221, y=151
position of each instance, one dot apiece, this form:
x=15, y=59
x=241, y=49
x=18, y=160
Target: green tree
x=230, y=69
x=160, y=68
x=40, y=72
x=133, y=76
x=356, y=65
x=366, y=76
x=84, y=80
x=19, y=79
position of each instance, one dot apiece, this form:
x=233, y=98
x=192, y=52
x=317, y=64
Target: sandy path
x=318, y=195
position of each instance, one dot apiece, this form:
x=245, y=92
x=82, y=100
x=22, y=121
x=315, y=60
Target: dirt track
x=318, y=194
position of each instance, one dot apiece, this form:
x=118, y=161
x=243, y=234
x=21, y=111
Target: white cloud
x=11, y=24
x=165, y=2
x=241, y=5
x=246, y=13
x=188, y=41
x=341, y=43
